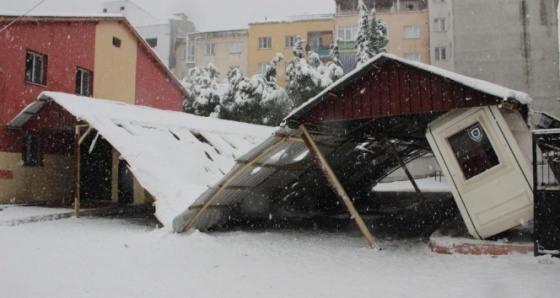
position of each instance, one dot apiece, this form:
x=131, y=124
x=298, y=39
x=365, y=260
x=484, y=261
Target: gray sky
x=207, y=15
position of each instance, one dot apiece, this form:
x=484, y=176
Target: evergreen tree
x=378, y=34
x=334, y=66
x=363, y=38
x=203, y=90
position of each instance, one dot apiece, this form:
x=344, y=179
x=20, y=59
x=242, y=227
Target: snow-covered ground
x=102, y=257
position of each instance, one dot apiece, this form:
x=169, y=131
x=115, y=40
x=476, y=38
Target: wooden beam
x=230, y=180
x=78, y=139
x=296, y=166
x=336, y=186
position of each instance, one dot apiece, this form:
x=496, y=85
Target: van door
x=488, y=173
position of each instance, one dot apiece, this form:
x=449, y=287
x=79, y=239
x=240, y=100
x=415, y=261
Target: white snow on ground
x=10, y=213
x=95, y=257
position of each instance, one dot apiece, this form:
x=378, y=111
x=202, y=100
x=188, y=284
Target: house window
x=190, y=51
x=439, y=24
x=152, y=42
x=122, y=8
x=289, y=41
x=440, y=53
x=411, y=32
x=347, y=35
x=84, y=82
x=31, y=154
x=473, y=151
x=412, y=56
x=262, y=68
x=35, y=68
x=116, y=42
x=104, y=10
x=265, y=42
x=210, y=48
x=235, y=47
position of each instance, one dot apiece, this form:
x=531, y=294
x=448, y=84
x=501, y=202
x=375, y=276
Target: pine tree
x=334, y=66
x=378, y=34
x=363, y=38
x=202, y=85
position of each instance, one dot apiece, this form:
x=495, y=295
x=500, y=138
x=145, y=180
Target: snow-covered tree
x=202, y=85
x=363, y=45
x=378, y=34
x=372, y=35
x=334, y=66
x=306, y=78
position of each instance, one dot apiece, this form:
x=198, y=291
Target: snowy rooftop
x=60, y=15
x=173, y=155
x=298, y=18
x=480, y=85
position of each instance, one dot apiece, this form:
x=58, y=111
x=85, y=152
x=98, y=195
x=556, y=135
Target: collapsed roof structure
x=173, y=155
x=351, y=136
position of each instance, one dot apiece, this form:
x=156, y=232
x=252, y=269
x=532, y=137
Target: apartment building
x=407, y=24
x=513, y=43
x=267, y=38
x=224, y=49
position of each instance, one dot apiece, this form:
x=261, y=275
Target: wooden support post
x=334, y=183
x=78, y=139
x=230, y=180
x=77, y=160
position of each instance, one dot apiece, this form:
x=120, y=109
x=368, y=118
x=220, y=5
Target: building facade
x=513, y=43
x=161, y=35
x=224, y=49
x=407, y=24
x=268, y=38
x=97, y=55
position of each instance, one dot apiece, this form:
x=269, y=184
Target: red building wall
x=154, y=88
x=67, y=45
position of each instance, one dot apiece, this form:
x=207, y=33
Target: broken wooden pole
x=335, y=185
x=78, y=139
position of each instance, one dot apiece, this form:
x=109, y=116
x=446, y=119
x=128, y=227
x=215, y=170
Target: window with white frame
x=84, y=81
x=265, y=42
x=412, y=56
x=190, y=51
x=439, y=24
x=262, y=67
x=235, y=47
x=347, y=34
x=440, y=53
x=289, y=41
x=35, y=68
x=210, y=48
x=411, y=32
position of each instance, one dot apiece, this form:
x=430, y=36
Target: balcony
x=350, y=7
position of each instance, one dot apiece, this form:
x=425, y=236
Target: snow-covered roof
x=173, y=155
x=60, y=15
x=298, y=18
x=480, y=85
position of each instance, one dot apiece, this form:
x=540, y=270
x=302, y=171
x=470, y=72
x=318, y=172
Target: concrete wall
x=52, y=181
x=115, y=68
x=513, y=43
x=441, y=38
x=162, y=33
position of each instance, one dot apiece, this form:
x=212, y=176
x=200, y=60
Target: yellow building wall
x=396, y=22
x=114, y=77
x=52, y=181
x=222, y=58
x=278, y=31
